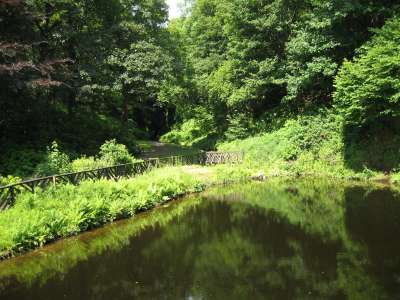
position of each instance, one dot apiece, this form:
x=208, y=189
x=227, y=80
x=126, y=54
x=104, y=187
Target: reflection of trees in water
x=270, y=258
x=370, y=266
x=240, y=250
x=279, y=240
x=316, y=206
x=365, y=222
x=55, y=261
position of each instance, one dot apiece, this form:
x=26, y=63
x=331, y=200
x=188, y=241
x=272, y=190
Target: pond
x=304, y=239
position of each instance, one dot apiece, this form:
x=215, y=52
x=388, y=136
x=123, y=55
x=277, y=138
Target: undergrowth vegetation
x=66, y=210
x=198, y=132
x=308, y=145
x=56, y=162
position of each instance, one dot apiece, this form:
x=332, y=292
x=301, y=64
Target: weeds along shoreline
x=67, y=210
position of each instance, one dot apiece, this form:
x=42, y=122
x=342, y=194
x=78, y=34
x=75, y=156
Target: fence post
x=11, y=200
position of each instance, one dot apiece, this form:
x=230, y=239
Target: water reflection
x=276, y=240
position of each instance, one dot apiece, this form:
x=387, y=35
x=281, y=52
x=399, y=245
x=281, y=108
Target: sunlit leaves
x=369, y=87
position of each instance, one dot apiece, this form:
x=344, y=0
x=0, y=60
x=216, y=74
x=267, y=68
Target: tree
x=255, y=61
x=326, y=33
x=141, y=72
x=368, y=88
x=24, y=71
x=56, y=78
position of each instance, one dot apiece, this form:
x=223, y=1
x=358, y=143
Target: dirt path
x=157, y=149
x=204, y=173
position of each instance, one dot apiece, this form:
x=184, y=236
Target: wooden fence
x=8, y=193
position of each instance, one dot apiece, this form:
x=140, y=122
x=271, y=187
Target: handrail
x=8, y=192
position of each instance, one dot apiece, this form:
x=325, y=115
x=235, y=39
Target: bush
x=20, y=161
x=86, y=163
x=198, y=131
x=193, y=132
x=368, y=97
x=112, y=154
x=6, y=180
x=368, y=88
x=240, y=127
x=56, y=162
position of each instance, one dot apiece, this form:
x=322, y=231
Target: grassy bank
x=316, y=145
x=37, y=219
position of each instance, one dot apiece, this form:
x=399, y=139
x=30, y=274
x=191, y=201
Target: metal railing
x=8, y=193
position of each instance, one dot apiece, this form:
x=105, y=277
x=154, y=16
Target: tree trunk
x=125, y=107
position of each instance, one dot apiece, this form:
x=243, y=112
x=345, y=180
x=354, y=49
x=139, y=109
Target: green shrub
x=56, y=162
x=368, y=97
x=112, y=153
x=368, y=88
x=240, y=127
x=86, y=163
x=198, y=131
x=6, y=180
x=20, y=161
x=188, y=133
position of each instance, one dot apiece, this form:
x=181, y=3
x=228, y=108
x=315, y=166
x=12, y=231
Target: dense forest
x=294, y=82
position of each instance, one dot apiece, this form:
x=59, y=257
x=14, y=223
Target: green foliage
x=227, y=70
x=20, y=161
x=368, y=88
x=198, y=132
x=57, y=80
x=66, y=210
x=142, y=70
x=240, y=126
x=56, y=162
x=113, y=153
x=396, y=177
x=367, y=96
x=86, y=163
x=246, y=59
x=6, y=180
x=306, y=145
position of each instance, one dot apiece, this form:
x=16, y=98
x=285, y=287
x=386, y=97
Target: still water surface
x=275, y=240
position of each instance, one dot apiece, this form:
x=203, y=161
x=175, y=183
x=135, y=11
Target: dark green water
x=303, y=240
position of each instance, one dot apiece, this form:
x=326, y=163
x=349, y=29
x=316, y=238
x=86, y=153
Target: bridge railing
x=9, y=193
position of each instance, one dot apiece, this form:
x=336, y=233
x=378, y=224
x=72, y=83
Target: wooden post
x=11, y=199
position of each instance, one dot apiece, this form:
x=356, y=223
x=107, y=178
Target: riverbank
x=315, y=145
x=63, y=211
x=67, y=210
